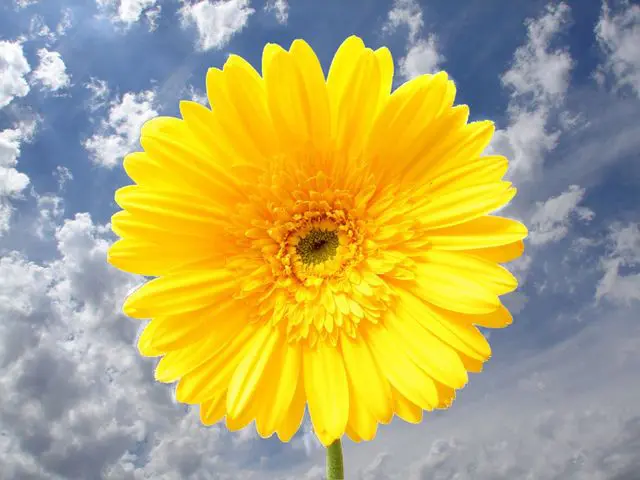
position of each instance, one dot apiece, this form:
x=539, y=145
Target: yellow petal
x=247, y=95
x=362, y=425
x=213, y=410
x=249, y=374
x=465, y=339
x=179, y=293
x=146, y=232
x=501, y=254
x=464, y=205
x=401, y=371
x=461, y=145
x=341, y=70
x=226, y=327
x=482, y=232
x=315, y=93
x=213, y=376
x=282, y=376
x=365, y=378
x=291, y=422
x=472, y=365
x=233, y=131
x=399, y=131
x=187, y=157
x=427, y=351
x=489, y=275
x=499, y=319
x=178, y=210
x=356, y=106
x=145, y=258
x=446, y=395
x=476, y=172
x=326, y=388
x=405, y=408
x=144, y=170
x=163, y=334
x=385, y=65
x=443, y=131
x=443, y=286
x=286, y=98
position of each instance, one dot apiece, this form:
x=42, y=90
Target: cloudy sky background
x=560, y=398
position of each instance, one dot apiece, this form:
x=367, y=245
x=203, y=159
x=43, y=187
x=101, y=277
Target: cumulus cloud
x=422, y=57
x=126, y=13
x=216, y=22
x=551, y=219
x=12, y=182
x=618, y=34
x=51, y=72
x=280, y=9
x=13, y=70
x=50, y=210
x=538, y=82
x=118, y=134
x=621, y=265
x=422, y=53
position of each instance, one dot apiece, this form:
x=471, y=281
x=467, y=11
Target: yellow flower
x=317, y=242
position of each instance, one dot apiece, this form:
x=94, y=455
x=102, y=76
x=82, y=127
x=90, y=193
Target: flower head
x=317, y=242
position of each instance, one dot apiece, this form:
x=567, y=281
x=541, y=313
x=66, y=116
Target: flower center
x=317, y=246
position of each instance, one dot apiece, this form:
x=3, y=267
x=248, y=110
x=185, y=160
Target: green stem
x=335, y=463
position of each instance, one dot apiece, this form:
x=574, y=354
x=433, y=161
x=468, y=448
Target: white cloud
x=38, y=29
x=99, y=90
x=538, y=80
x=13, y=69
x=66, y=22
x=197, y=96
x=24, y=3
x=50, y=211
x=280, y=8
x=624, y=252
x=537, y=73
x=63, y=176
x=126, y=13
x=405, y=13
x=216, y=22
x=51, y=72
x=153, y=15
x=422, y=53
x=551, y=219
x=12, y=182
x=118, y=134
x=422, y=57
x=618, y=35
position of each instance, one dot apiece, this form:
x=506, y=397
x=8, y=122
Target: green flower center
x=317, y=247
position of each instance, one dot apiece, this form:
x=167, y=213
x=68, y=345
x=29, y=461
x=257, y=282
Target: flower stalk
x=335, y=462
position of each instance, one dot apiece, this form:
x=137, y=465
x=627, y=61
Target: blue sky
x=559, y=399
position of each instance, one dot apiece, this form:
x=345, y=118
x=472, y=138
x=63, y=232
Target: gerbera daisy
x=317, y=242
